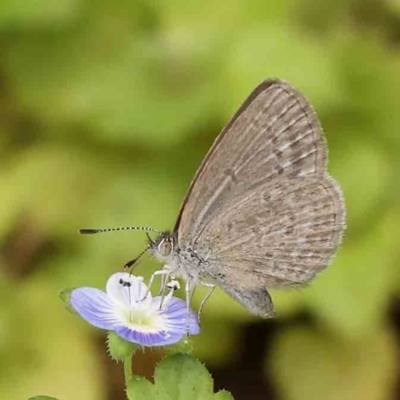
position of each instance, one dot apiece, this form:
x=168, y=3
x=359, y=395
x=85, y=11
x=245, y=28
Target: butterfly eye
x=165, y=247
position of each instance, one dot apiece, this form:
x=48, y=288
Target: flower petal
x=95, y=307
x=161, y=338
x=175, y=316
x=127, y=290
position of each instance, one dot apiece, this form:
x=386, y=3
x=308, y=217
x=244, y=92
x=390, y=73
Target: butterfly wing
x=274, y=134
x=262, y=208
x=279, y=235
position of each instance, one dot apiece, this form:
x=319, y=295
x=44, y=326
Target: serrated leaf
x=182, y=377
x=177, y=377
x=140, y=388
x=223, y=395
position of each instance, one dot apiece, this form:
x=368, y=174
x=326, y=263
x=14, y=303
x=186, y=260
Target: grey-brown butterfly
x=262, y=210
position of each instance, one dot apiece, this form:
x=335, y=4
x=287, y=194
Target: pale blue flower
x=129, y=309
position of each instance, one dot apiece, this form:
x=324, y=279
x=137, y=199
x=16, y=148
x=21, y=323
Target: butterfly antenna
x=132, y=263
x=122, y=228
x=151, y=242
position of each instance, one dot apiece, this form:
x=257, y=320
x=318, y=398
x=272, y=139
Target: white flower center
x=141, y=319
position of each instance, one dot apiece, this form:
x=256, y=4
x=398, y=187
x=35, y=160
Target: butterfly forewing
x=273, y=135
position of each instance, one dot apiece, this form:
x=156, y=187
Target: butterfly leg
x=164, y=279
x=206, y=297
x=162, y=272
x=164, y=287
x=189, y=291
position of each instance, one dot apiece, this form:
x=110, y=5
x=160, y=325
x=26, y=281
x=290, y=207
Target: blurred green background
x=107, y=109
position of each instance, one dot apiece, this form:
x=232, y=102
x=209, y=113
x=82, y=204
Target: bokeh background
x=107, y=109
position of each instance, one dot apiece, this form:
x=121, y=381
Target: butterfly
x=262, y=211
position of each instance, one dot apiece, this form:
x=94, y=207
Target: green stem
x=128, y=369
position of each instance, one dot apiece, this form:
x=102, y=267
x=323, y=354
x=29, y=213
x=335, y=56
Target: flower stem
x=128, y=369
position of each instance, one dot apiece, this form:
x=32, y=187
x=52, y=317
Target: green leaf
x=223, y=395
x=181, y=375
x=177, y=377
x=140, y=388
x=120, y=348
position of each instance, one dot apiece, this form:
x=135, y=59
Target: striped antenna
x=133, y=262
x=122, y=228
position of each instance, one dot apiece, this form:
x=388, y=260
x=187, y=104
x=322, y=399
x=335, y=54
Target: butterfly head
x=163, y=248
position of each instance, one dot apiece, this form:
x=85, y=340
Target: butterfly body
x=185, y=262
